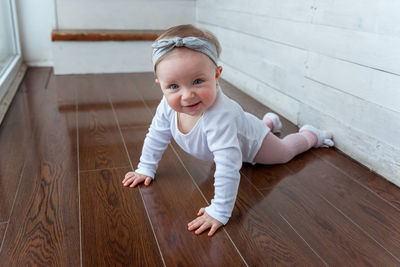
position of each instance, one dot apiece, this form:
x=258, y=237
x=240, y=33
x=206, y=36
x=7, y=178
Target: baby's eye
x=198, y=81
x=173, y=86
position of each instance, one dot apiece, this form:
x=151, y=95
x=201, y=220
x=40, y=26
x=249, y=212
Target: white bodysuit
x=224, y=134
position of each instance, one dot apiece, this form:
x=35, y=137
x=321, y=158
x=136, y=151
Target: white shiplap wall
x=124, y=14
x=111, y=57
x=330, y=63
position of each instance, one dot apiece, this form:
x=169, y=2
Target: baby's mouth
x=193, y=105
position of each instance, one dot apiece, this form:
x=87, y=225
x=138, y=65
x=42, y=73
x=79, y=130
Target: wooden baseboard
x=104, y=35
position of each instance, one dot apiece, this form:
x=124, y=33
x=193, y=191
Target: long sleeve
x=223, y=142
x=156, y=141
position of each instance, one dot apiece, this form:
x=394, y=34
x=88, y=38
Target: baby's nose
x=187, y=94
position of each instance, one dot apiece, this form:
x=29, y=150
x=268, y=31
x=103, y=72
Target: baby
x=208, y=125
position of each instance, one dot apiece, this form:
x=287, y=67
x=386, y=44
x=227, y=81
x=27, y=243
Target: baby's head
x=186, y=67
x=187, y=30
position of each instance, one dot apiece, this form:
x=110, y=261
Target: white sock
x=324, y=137
x=276, y=122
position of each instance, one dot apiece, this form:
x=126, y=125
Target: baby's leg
x=276, y=151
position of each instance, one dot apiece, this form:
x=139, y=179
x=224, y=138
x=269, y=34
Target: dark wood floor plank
x=128, y=104
x=173, y=201
x=100, y=141
x=261, y=235
x=15, y=135
x=18, y=121
x=115, y=227
x=355, y=170
x=44, y=226
x=374, y=215
x=33, y=81
x=3, y=226
x=328, y=231
x=321, y=208
x=148, y=89
x=265, y=177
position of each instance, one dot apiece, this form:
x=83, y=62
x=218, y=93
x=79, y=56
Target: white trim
x=14, y=70
x=14, y=21
x=8, y=75
x=16, y=75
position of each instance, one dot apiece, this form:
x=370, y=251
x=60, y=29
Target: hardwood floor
x=67, y=142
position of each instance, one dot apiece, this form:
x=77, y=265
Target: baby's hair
x=188, y=30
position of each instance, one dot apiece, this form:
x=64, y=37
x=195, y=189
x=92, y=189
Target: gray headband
x=163, y=46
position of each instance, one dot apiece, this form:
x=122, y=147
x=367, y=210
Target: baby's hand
x=134, y=178
x=203, y=222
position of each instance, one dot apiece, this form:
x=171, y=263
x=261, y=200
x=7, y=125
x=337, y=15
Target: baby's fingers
x=214, y=228
x=137, y=181
x=128, y=176
x=128, y=181
x=147, y=181
x=201, y=211
x=203, y=227
x=195, y=223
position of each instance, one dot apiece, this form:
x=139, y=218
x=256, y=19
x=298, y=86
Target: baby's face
x=188, y=80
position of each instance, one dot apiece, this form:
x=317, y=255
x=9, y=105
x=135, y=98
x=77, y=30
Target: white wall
x=124, y=14
x=328, y=63
x=36, y=21
x=109, y=57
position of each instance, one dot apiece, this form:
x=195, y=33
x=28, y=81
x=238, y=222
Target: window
x=10, y=51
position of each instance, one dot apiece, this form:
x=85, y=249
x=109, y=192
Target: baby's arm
x=155, y=143
x=224, y=144
x=226, y=185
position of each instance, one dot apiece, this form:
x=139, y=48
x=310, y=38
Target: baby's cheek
x=209, y=96
x=173, y=102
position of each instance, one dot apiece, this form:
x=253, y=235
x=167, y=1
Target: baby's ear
x=218, y=72
x=157, y=81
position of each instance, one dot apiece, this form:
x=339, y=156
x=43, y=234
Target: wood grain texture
x=365, y=177
x=261, y=235
x=100, y=141
x=305, y=206
x=3, y=227
x=12, y=165
x=322, y=208
x=129, y=107
x=104, y=35
x=17, y=121
x=115, y=227
x=21, y=120
x=44, y=227
x=353, y=206
x=173, y=200
x=325, y=229
x=364, y=208
x=148, y=90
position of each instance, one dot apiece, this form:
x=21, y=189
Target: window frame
x=11, y=68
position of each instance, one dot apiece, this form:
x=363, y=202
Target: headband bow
x=163, y=46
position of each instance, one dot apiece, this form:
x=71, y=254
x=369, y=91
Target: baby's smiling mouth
x=192, y=105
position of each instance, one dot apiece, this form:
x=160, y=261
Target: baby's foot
x=324, y=138
x=273, y=122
